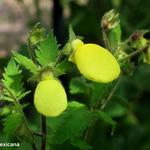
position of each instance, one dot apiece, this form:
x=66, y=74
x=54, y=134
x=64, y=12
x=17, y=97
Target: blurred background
x=17, y=18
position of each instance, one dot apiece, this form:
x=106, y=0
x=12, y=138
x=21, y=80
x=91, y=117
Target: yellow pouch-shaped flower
x=95, y=62
x=50, y=98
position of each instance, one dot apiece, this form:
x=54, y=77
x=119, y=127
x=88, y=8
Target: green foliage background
x=123, y=125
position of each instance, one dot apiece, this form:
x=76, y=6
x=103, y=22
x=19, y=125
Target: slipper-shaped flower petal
x=50, y=98
x=95, y=62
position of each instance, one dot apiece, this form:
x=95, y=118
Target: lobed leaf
x=26, y=62
x=11, y=124
x=79, y=85
x=46, y=51
x=70, y=124
x=63, y=67
x=12, y=79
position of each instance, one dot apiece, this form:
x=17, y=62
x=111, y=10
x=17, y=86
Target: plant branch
x=31, y=54
x=133, y=54
x=38, y=134
x=44, y=132
x=105, y=102
x=59, y=57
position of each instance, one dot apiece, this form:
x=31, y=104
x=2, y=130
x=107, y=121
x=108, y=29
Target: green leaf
x=11, y=124
x=4, y=111
x=116, y=109
x=75, y=104
x=122, y=101
x=70, y=124
x=98, y=91
x=5, y=98
x=79, y=85
x=26, y=62
x=81, y=144
x=23, y=95
x=46, y=51
x=72, y=35
x=106, y=118
x=67, y=49
x=12, y=79
x=24, y=133
x=63, y=67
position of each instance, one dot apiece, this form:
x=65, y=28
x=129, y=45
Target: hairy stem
x=133, y=53
x=105, y=102
x=59, y=58
x=44, y=132
x=30, y=51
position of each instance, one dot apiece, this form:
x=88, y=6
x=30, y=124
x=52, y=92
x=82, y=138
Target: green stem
x=59, y=58
x=22, y=114
x=133, y=54
x=105, y=102
x=30, y=51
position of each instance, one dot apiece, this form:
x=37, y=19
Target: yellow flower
x=50, y=98
x=95, y=62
